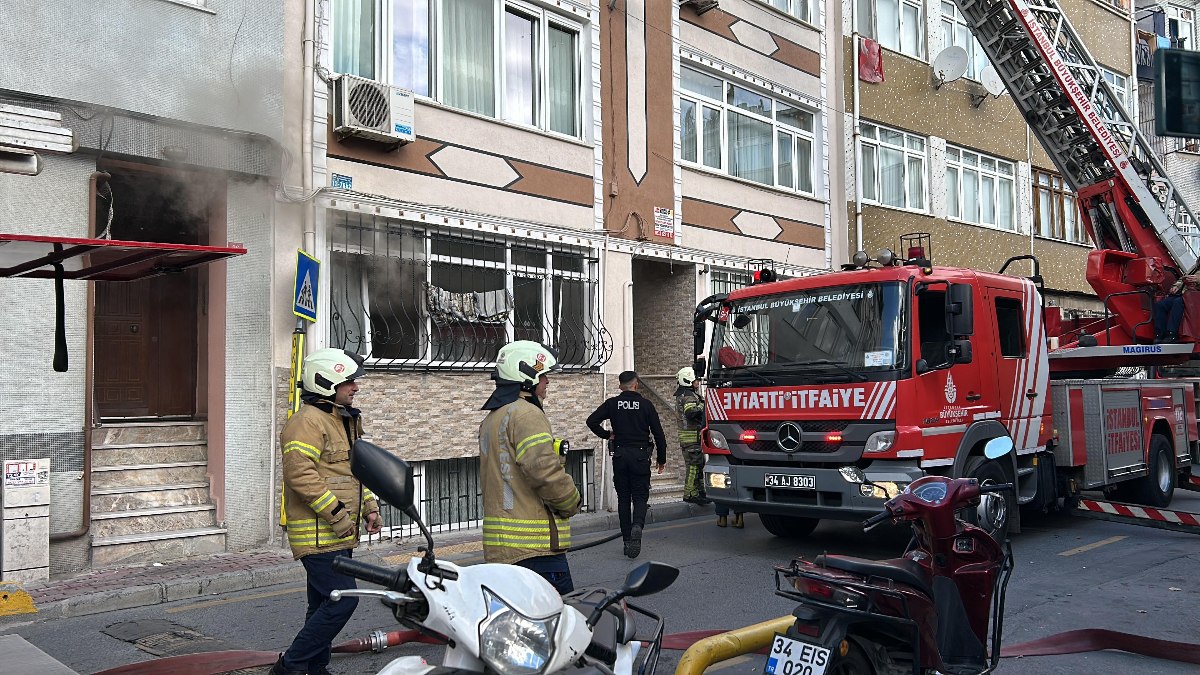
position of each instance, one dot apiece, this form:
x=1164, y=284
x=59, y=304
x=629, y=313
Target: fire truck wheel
x=995, y=510
x=1158, y=486
x=788, y=527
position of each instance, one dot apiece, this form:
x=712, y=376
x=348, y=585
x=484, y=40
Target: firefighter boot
x=722, y=521
x=737, y=521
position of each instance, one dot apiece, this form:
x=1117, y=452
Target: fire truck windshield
x=841, y=332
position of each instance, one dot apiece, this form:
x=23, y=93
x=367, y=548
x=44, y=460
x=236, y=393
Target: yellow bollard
x=725, y=646
x=14, y=600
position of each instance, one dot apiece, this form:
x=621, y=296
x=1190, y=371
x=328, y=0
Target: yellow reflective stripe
x=367, y=494
x=567, y=503
x=513, y=528
x=323, y=501
x=314, y=540
x=528, y=521
x=525, y=543
x=532, y=441
x=303, y=448
x=302, y=521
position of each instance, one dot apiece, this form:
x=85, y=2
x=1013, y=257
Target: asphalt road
x=1070, y=573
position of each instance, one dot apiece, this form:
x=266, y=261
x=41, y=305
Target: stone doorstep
x=141, y=585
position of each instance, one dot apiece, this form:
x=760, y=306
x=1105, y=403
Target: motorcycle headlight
x=512, y=644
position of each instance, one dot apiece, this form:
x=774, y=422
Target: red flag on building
x=870, y=61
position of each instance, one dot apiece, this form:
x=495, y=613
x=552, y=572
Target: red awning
x=34, y=257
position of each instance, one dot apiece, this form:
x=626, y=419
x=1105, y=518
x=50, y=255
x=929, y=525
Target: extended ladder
x=1059, y=88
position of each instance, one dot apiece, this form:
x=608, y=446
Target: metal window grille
x=449, y=496
x=410, y=297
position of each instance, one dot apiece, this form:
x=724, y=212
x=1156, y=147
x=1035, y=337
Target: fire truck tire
x=990, y=510
x=1157, y=487
x=788, y=527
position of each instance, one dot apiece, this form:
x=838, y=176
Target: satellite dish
x=991, y=81
x=949, y=65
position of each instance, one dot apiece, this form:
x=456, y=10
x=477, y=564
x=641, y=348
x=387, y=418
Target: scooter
x=501, y=619
x=928, y=611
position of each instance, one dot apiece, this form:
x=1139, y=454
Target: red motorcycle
x=928, y=611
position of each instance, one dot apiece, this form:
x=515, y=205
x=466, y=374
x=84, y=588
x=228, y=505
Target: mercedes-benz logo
x=788, y=437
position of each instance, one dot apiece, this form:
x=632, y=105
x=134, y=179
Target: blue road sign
x=308, y=271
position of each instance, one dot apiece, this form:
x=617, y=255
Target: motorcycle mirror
x=388, y=476
x=998, y=447
x=649, y=578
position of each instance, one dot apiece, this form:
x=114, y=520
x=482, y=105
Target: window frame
x=426, y=256
x=724, y=109
x=868, y=17
x=385, y=24
x=977, y=59
x=864, y=141
x=1061, y=198
x=812, y=7
x=1014, y=305
x=960, y=166
x=1173, y=14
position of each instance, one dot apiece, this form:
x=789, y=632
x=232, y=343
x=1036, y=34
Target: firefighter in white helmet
x=322, y=501
x=528, y=496
x=690, y=408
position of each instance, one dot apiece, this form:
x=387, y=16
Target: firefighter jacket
x=691, y=416
x=319, y=492
x=527, y=494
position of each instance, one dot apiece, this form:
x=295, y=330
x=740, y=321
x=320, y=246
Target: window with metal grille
x=407, y=296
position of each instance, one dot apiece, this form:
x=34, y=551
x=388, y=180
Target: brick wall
x=664, y=297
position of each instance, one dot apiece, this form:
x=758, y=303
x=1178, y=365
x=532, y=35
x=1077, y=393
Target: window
x=931, y=322
x=1010, y=322
x=898, y=25
x=745, y=133
x=955, y=32
x=412, y=297
x=1181, y=27
x=801, y=9
x=1120, y=85
x=1054, y=211
x=892, y=169
x=979, y=189
x=509, y=60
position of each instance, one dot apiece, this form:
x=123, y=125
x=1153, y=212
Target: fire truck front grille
x=767, y=435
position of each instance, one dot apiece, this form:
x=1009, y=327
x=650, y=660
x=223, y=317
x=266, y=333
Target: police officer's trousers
x=631, y=478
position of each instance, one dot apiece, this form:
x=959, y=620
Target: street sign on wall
x=304, y=294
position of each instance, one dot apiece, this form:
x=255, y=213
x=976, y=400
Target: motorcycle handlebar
x=999, y=487
x=876, y=519
x=390, y=578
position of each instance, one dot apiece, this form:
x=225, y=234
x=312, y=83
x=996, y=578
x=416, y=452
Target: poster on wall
x=664, y=222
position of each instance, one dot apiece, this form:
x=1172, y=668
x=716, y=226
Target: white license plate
x=790, y=480
x=793, y=657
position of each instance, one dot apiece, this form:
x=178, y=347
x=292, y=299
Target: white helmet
x=524, y=361
x=686, y=376
x=325, y=369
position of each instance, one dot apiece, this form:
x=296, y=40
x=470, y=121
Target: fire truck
x=826, y=395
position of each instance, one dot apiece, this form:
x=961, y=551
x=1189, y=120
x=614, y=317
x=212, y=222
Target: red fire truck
x=828, y=394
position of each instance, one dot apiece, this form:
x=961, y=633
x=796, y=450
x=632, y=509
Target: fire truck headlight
x=717, y=440
x=718, y=480
x=880, y=441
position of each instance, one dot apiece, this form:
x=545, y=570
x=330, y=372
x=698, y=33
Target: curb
x=144, y=595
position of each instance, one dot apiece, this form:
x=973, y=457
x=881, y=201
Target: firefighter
x=633, y=419
x=527, y=494
x=322, y=501
x=691, y=420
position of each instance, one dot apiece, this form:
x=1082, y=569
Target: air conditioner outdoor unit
x=367, y=109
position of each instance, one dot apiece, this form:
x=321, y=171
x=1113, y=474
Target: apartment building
x=158, y=427
x=951, y=159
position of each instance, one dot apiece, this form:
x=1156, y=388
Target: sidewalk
x=154, y=583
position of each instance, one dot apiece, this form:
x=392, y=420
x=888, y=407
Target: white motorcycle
x=501, y=619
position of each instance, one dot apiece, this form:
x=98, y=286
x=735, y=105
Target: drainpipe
x=858, y=215
x=627, y=323
x=85, y=516
x=306, y=124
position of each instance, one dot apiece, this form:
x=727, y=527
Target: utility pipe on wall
x=858, y=215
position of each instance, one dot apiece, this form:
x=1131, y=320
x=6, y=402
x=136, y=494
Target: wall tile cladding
x=664, y=297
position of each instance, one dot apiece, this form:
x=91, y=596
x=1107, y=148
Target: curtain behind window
x=564, y=81
x=354, y=37
x=750, y=149
x=468, y=59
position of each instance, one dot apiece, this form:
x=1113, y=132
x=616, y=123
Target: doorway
x=148, y=332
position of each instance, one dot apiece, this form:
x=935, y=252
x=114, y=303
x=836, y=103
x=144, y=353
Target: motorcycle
x=925, y=612
x=501, y=619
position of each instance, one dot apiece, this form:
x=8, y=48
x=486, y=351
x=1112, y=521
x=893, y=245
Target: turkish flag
x=870, y=61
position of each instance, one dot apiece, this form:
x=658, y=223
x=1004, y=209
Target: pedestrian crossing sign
x=308, y=270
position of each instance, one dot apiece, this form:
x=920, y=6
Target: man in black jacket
x=633, y=419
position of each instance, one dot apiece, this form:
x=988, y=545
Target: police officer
x=633, y=420
x=528, y=496
x=690, y=408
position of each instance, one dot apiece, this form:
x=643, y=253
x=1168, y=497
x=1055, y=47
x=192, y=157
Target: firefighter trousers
x=693, y=481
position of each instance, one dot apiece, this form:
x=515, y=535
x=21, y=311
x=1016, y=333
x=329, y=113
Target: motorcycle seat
x=900, y=570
